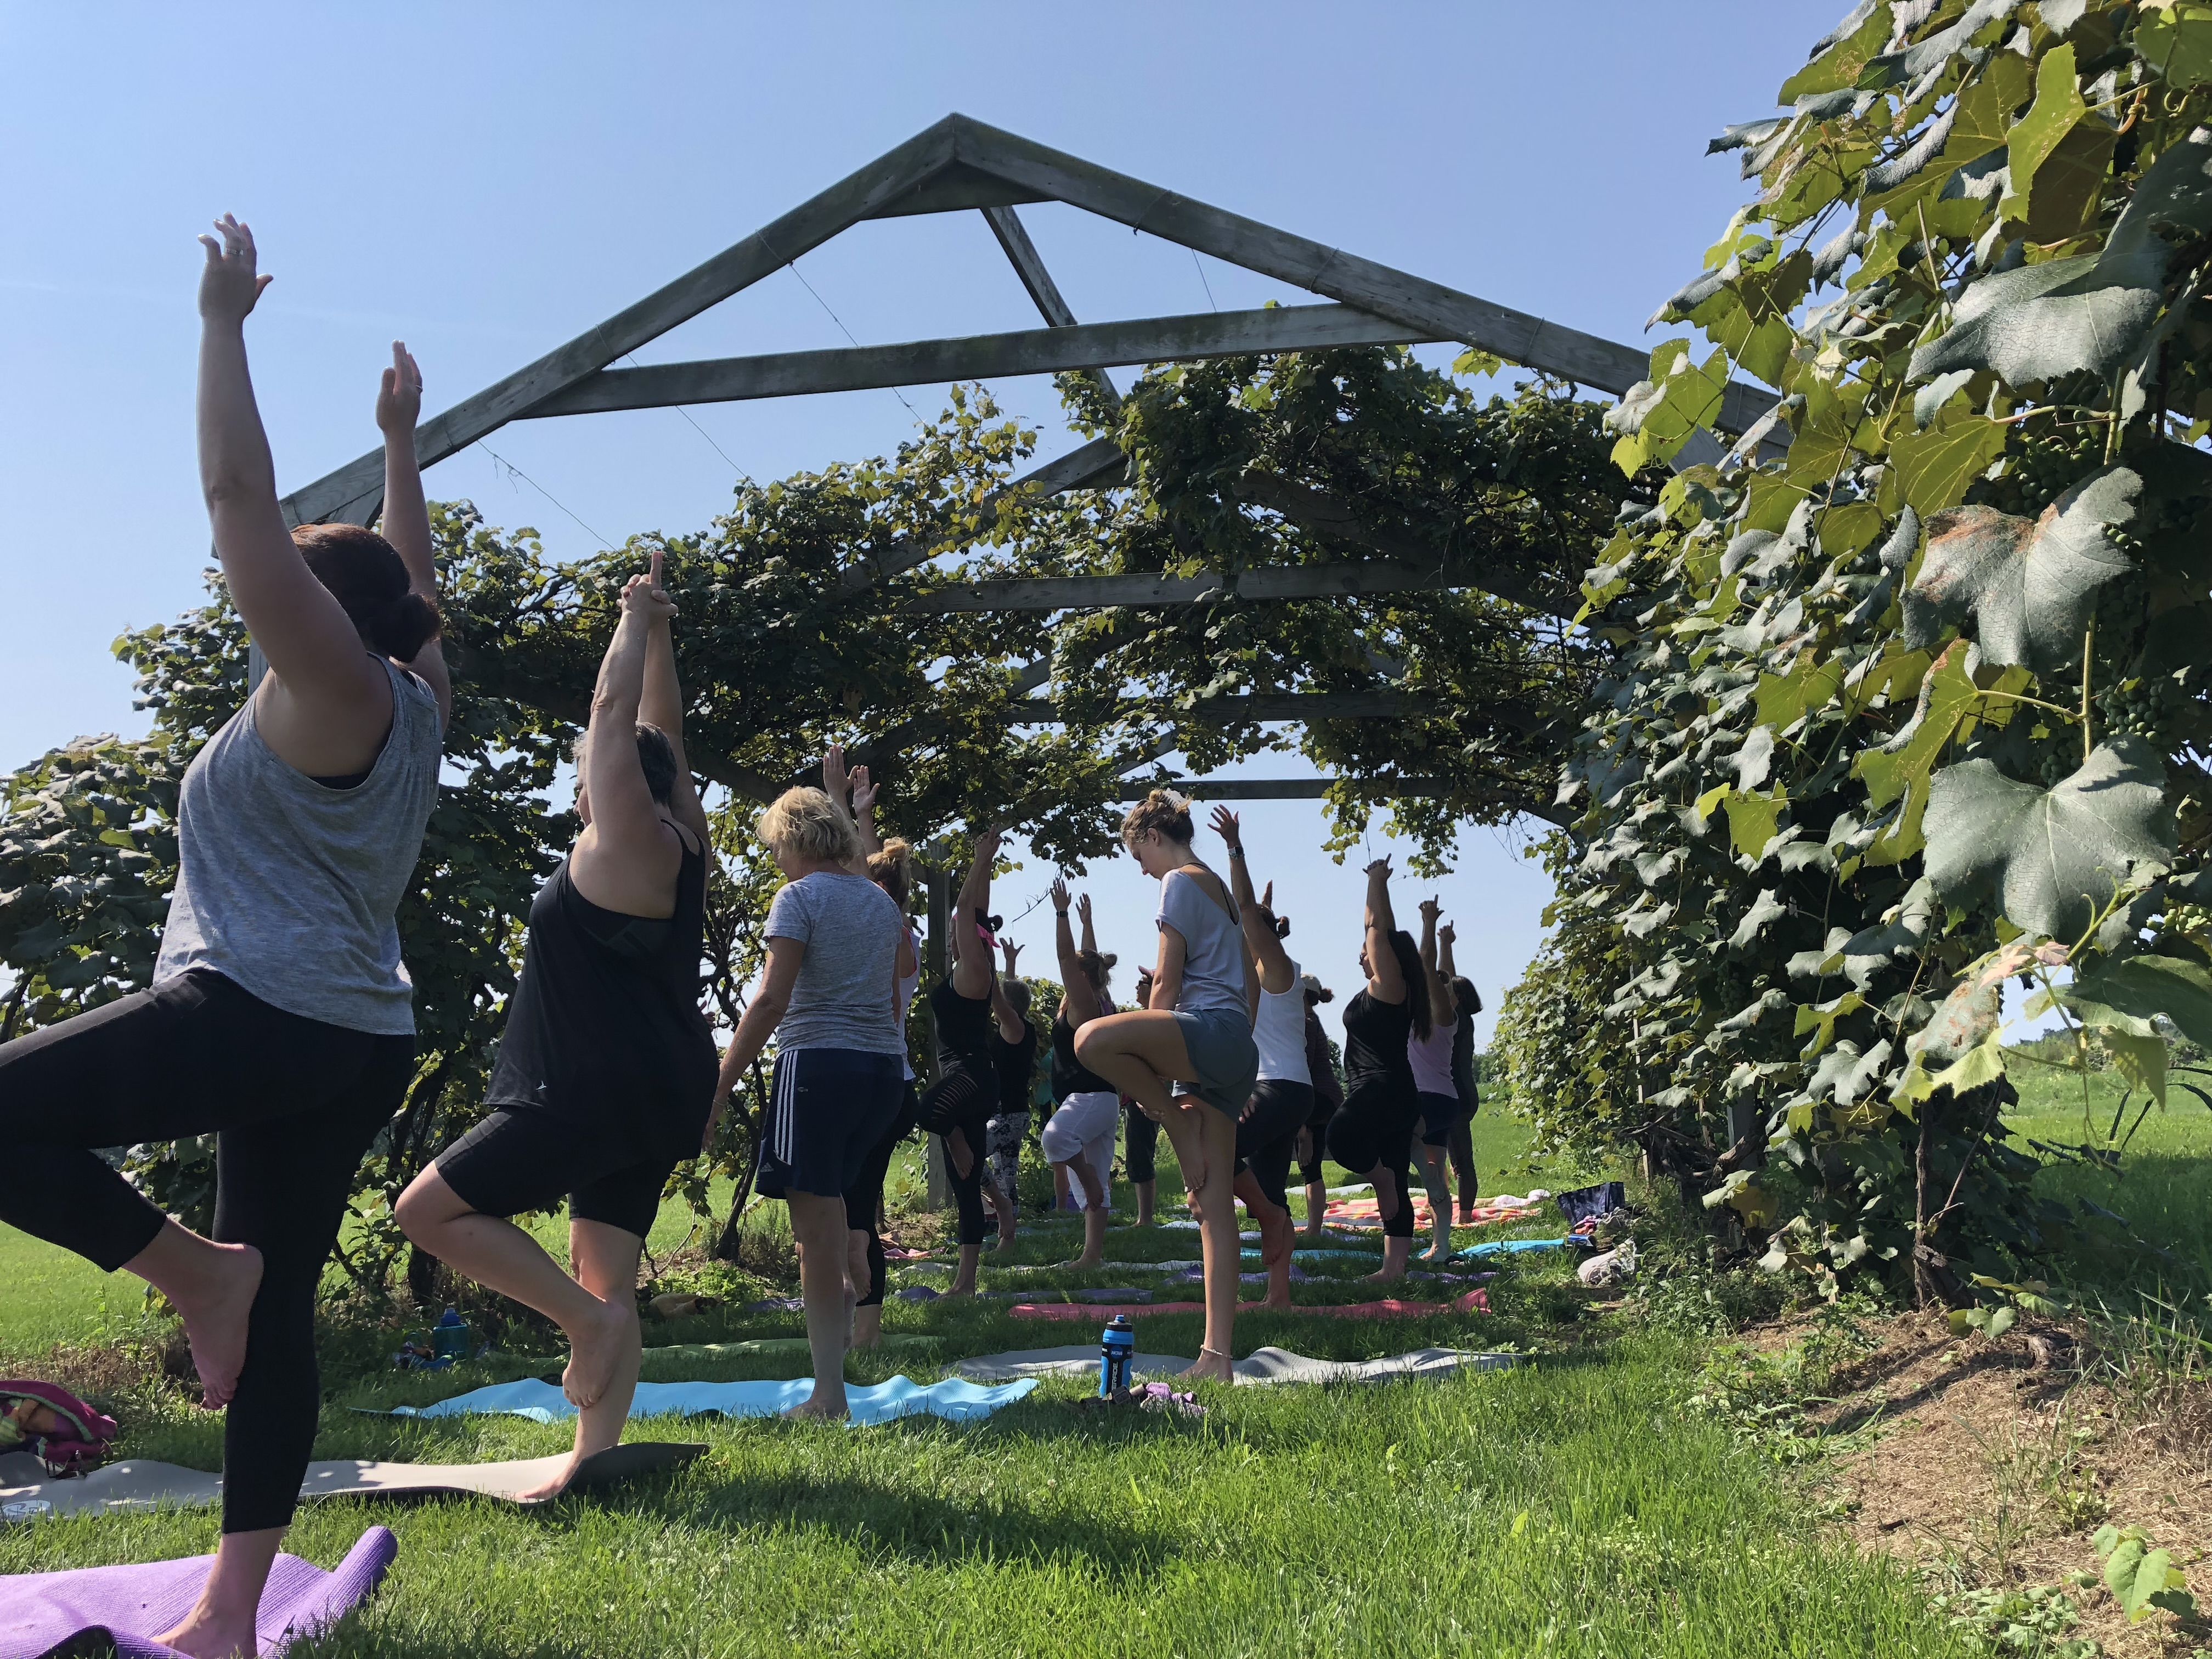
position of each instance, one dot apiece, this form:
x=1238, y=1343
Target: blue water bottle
x=1116, y=1349
x=449, y=1338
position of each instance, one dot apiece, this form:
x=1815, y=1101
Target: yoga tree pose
x=279, y=1018
x=1140, y=1132
x=1328, y=1094
x=1431, y=1057
x=1013, y=1045
x=1282, y=1093
x=1198, y=1029
x=888, y=865
x=957, y=1106
x=1468, y=1002
x=605, y=1077
x=830, y=996
x=1371, y=1133
x=1079, y=1137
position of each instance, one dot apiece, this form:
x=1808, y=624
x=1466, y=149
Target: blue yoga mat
x=543, y=1403
x=1512, y=1247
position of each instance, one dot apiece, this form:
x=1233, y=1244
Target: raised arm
x=837, y=784
x=1440, y=991
x=311, y=643
x=627, y=855
x=660, y=702
x=1445, y=936
x=1386, y=982
x=864, y=810
x=972, y=973
x=406, y=521
x=1263, y=947
x=1079, y=1002
x=1011, y=1019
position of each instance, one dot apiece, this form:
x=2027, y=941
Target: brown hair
x=892, y=869
x=367, y=577
x=1097, y=965
x=1162, y=810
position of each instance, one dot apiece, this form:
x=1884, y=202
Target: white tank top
x=1431, y=1060
x=1279, y=1031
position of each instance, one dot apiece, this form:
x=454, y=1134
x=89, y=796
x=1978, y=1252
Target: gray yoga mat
x=136, y=1484
x=1264, y=1365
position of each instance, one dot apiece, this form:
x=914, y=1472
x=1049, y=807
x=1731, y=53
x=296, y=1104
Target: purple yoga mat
x=41, y=1612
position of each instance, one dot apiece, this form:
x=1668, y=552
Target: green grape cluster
x=2145, y=707
x=2043, y=467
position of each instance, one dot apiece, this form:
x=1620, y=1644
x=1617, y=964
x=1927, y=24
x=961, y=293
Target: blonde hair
x=1163, y=810
x=806, y=822
x=892, y=869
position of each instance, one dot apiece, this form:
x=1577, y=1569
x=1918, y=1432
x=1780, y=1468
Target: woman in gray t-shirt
x=837, y=947
x=1199, y=1030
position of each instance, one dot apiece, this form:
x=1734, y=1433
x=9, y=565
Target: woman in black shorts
x=957, y=1106
x=279, y=1017
x=1469, y=1001
x=605, y=1076
x=1372, y=1134
x=1140, y=1134
x=1328, y=1094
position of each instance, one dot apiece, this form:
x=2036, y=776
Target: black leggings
x=963, y=1098
x=864, y=1200
x=1140, y=1141
x=1462, y=1160
x=1374, y=1126
x=294, y=1102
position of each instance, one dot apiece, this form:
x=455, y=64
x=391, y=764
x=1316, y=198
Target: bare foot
x=593, y=1352
x=958, y=1289
x=204, y=1636
x=215, y=1325
x=1384, y=1276
x=1209, y=1366
x=867, y=1327
x=815, y=1408
x=1081, y=1264
x=546, y=1490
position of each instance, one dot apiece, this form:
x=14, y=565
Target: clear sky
x=489, y=181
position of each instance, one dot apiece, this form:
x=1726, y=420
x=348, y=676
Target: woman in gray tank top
x=280, y=1015
x=1197, y=1030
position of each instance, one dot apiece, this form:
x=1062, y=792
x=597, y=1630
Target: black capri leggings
x=864, y=1200
x=293, y=1102
x=963, y=1097
x=1374, y=1126
x=1140, y=1141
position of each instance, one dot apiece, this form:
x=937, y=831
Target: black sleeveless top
x=1016, y=1065
x=1375, y=1034
x=1069, y=1075
x=604, y=1030
x=963, y=1028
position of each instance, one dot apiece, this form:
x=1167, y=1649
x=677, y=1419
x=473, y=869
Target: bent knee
x=427, y=1205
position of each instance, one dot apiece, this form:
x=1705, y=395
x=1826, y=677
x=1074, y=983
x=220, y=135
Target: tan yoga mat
x=1263, y=1366
x=136, y=1484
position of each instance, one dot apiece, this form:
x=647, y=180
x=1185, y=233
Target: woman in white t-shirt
x=1188, y=1060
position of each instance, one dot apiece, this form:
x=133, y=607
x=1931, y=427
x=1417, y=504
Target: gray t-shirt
x=843, y=997
x=290, y=888
x=1213, y=956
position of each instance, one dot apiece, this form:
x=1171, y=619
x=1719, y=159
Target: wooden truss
x=960, y=165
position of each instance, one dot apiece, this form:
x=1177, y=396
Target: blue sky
x=487, y=182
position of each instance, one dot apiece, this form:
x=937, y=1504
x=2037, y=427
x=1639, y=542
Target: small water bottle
x=1116, y=1349
x=449, y=1337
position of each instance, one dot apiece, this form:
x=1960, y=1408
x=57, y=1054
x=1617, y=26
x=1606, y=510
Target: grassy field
x=1566, y=1506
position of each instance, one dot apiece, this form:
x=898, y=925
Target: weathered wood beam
x=1029, y=265
x=354, y=490
x=1445, y=312
x=976, y=357
x=955, y=189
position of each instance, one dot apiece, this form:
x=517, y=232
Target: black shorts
x=1439, y=1114
x=1266, y=1137
x=828, y=1111
x=522, y=1158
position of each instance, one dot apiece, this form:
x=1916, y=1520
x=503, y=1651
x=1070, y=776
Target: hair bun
x=401, y=629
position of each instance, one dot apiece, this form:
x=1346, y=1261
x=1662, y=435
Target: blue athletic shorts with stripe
x=827, y=1110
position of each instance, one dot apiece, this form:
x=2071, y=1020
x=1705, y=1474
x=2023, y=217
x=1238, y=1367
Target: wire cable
x=517, y=471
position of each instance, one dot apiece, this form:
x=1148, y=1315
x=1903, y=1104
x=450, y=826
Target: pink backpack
x=77, y=1444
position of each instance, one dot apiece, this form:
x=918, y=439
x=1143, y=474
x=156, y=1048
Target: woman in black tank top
x=960, y=1102
x=605, y=1078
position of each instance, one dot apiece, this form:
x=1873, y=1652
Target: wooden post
x=932, y=953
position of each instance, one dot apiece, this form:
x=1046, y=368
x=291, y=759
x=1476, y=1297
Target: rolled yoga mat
x=86, y=1608
x=136, y=1484
x=955, y=1400
x=1264, y=1366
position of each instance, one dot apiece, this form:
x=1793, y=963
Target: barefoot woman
x=280, y=1018
x=1371, y=1133
x=1079, y=1137
x=1198, y=1029
x=606, y=1074
x=960, y=1102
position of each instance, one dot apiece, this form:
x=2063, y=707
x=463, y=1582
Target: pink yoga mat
x=1473, y=1301
x=1361, y=1211
x=43, y=1612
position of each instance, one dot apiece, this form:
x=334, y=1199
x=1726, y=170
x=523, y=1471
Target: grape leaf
x=1935, y=467
x=2027, y=583
x=2145, y=985
x=2058, y=106
x=2177, y=38
x=2050, y=857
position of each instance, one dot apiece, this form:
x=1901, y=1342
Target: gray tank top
x=1212, y=942
x=288, y=887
